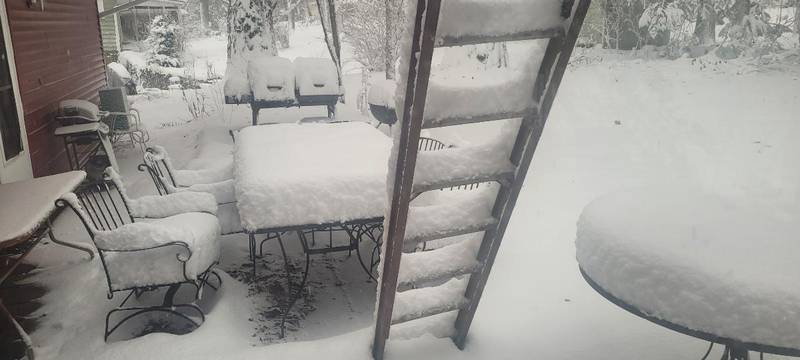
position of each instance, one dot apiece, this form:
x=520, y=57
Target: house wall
x=58, y=56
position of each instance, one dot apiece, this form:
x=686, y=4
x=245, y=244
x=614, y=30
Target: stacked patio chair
x=217, y=181
x=122, y=120
x=177, y=244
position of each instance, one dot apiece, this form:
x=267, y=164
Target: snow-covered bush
x=165, y=42
x=364, y=23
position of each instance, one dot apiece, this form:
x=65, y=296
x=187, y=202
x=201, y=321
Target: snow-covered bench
x=275, y=82
x=697, y=264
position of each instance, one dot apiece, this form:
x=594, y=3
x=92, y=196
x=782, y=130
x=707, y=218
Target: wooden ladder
x=422, y=284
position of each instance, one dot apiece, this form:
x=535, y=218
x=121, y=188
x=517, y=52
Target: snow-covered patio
x=619, y=121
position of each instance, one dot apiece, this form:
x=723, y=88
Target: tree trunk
x=387, y=46
x=739, y=10
x=205, y=14
x=248, y=30
x=797, y=17
x=705, y=24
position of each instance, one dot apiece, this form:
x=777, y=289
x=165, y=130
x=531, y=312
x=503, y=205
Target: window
x=9, y=118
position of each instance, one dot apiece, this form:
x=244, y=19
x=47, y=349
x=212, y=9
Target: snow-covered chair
x=217, y=182
x=150, y=243
x=698, y=264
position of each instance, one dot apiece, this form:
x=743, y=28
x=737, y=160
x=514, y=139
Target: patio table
x=307, y=177
x=25, y=211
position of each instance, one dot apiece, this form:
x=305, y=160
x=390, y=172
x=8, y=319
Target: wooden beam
x=427, y=15
x=122, y=7
x=549, y=78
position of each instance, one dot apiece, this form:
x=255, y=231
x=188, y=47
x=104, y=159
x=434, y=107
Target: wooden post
x=427, y=15
x=545, y=87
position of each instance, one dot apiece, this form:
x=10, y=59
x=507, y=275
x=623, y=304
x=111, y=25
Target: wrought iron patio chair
x=122, y=119
x=158, y=166
x=157, y=158
x=145, y=256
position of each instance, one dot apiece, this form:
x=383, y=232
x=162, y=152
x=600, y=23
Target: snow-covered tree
x=165, y=42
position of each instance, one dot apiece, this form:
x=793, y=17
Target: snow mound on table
x=289, y=174
x=199, y=231
x=496, y=18
x=316, y=76
x=697, y=261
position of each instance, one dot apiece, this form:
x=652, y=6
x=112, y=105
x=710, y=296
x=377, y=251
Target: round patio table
x=734, y=349
x=698, y=264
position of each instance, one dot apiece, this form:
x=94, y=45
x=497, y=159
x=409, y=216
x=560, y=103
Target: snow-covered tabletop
x=25, y=205
x=698, y=261
x=304, y=174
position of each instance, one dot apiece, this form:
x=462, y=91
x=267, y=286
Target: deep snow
x=617, y=122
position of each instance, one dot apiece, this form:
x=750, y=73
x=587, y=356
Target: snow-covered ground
x=618, y=122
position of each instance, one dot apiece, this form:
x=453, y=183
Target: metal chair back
x=429, y=144
x=104, y=207
x=156, y=166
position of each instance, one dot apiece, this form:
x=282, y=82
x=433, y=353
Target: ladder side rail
x=524, y=148
x=426, y=22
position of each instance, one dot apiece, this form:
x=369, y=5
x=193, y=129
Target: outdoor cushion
x=126, y=269
x=696, y=260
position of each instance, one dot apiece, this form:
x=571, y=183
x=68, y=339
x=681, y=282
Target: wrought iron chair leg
x=85, y=249
x=143, y=310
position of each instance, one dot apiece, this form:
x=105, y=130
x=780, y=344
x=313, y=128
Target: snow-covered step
x=460, y=166
x=447, y=262
x=419, y=303
x=454, y=213
x=464, y=22
x=456, y=98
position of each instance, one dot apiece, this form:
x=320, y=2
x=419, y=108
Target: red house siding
x=58, y=56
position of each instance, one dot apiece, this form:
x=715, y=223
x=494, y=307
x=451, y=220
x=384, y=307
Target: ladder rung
x=462, y=166
x=450, y=121
x=447, y=41
x=453, y=213
x=411, y=242
x=428, y=301
x=439, y=264
x=504, y=178
x=429, y=312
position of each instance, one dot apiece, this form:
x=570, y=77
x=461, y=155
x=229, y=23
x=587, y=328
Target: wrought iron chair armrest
x=182, y=257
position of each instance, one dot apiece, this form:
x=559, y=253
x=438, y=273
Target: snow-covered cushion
x=222, y=191
x=126, y=269
x=159, y=206
x=696, y=260
x=220, y=172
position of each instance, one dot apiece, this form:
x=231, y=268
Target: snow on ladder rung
x=471, y=119
x=497, y=20
x=461, y=166
x=456, y=97
x=419, y=303
x=454, y=213
x=443, y=263
x=447, y=41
